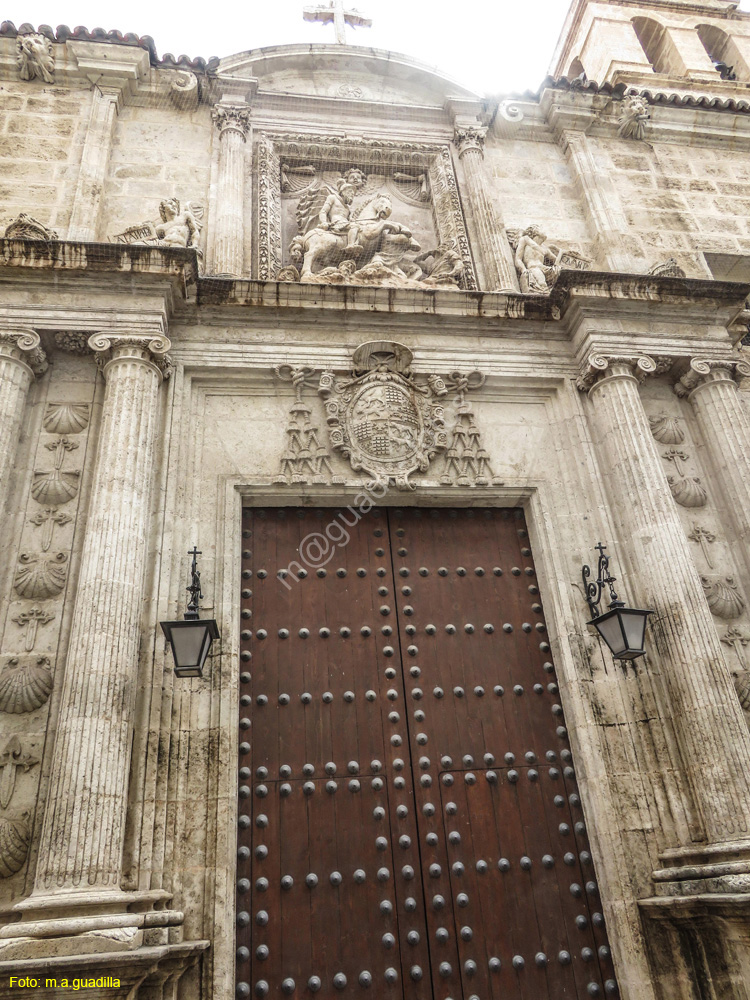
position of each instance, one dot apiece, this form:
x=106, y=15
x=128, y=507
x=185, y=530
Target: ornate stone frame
x=434, y=158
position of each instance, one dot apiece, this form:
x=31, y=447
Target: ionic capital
x=23, y=345
x=704, y=371
x=468, y=137
x=600, y=368
x=151, y=351
x=231, y=118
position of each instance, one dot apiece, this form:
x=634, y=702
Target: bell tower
x=678, y=44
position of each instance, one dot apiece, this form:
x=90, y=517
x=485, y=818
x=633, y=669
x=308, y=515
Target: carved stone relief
x=30, y=621
x=304, y=459
x=177, y=226
x=25, y=687
x=35, y=57
x=25, y=227
x=335, y=211
x=185, y=91
x=667, y=269
x=704, y=538
x=666, y=429
x=15, y=837
x=723, y=596
x=12, y=760
x=467, y=463
x=66, y=418
x=39, y=578
x=633, y=118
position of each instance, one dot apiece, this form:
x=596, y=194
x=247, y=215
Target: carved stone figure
x=35, y=57
x=25, y=227
x=381, y=419
x=635, y=114
x=177, y=227
x=531, y=256
x=446, y=267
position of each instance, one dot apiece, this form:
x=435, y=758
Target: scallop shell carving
x=24, y=688
x=66, y=418
x=15, y=836
x=666, y=429
x=688, y=492
x=723, y=597
x=53, y=488
x=40, y=577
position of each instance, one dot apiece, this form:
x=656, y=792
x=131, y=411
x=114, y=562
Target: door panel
x=407, y=739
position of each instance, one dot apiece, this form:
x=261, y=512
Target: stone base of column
x=75, y=923
x=153, y=971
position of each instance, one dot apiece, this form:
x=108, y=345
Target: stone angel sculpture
x=534, y=260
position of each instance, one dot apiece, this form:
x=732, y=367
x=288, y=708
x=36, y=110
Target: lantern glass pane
x=611, y=632
x=634, y=624
x=188, y=644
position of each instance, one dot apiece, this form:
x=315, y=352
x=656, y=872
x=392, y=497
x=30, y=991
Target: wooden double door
x=409, y=823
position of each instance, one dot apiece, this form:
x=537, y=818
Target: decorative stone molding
x=24, y=687
x=112, y=347
x=633, y=118
x=703, y=371
x=425, y=167
x=35, y=57
x=24, y=345
x=184, y=91
x=26, y=227
x=469, y=137
x=231, y=118
x=72, y=341
x=597, y=367
x=304, y=459
x=668, y=268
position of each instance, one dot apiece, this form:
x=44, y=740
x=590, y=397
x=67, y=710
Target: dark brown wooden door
x=409, y=822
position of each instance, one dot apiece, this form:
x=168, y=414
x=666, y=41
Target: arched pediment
x=344, y=71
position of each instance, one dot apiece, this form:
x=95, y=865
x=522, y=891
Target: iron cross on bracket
x=335, y=12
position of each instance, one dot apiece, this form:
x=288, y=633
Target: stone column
x=21, y=359
x=712, y=391
x=233, y=123
x=708, y=719
x=494, y=248
x=82, y=838
x=84, y=218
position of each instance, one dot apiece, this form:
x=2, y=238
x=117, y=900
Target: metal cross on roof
x=334, y=12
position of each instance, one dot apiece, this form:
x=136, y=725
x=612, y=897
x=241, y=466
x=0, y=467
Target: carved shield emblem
x=385, y=425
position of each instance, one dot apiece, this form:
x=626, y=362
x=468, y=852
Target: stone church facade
x=395, y=358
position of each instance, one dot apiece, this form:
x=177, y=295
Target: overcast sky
x=492, y=46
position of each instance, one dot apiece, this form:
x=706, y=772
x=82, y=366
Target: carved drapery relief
x=177, y=226
x=323, y=220
x=304, y=459
x=35, y=57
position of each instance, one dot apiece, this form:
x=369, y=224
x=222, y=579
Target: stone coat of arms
x=384, y=422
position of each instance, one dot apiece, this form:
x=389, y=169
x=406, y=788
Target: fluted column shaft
x=97, y=146
x=82, y=839
x=233, y=123
x=702, y=701
x=21, y=358
x=494, y=248
x=712, y=391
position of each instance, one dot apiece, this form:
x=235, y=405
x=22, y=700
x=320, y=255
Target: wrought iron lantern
x=623, y=629
x=191, y=638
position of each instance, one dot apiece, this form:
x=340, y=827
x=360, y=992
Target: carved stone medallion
x=381, y=419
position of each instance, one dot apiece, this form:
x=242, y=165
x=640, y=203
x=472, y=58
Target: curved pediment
x=344, y=71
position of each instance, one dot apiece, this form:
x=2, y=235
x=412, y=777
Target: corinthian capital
x=702, y=371
x=22, y=344
x=231, y=117
x=468, y=137
x=109, y=347
x=598, y=367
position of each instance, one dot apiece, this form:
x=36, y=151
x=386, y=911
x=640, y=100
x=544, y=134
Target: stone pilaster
x=84, y=218
x=711, y=388
x=708, y=718
x=614, y=247
x=21, y=359
x=79, y=869
x=233, y=123
x=493, y=246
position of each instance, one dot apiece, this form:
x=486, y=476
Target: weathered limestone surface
x=20, y=359
x=233, y=124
